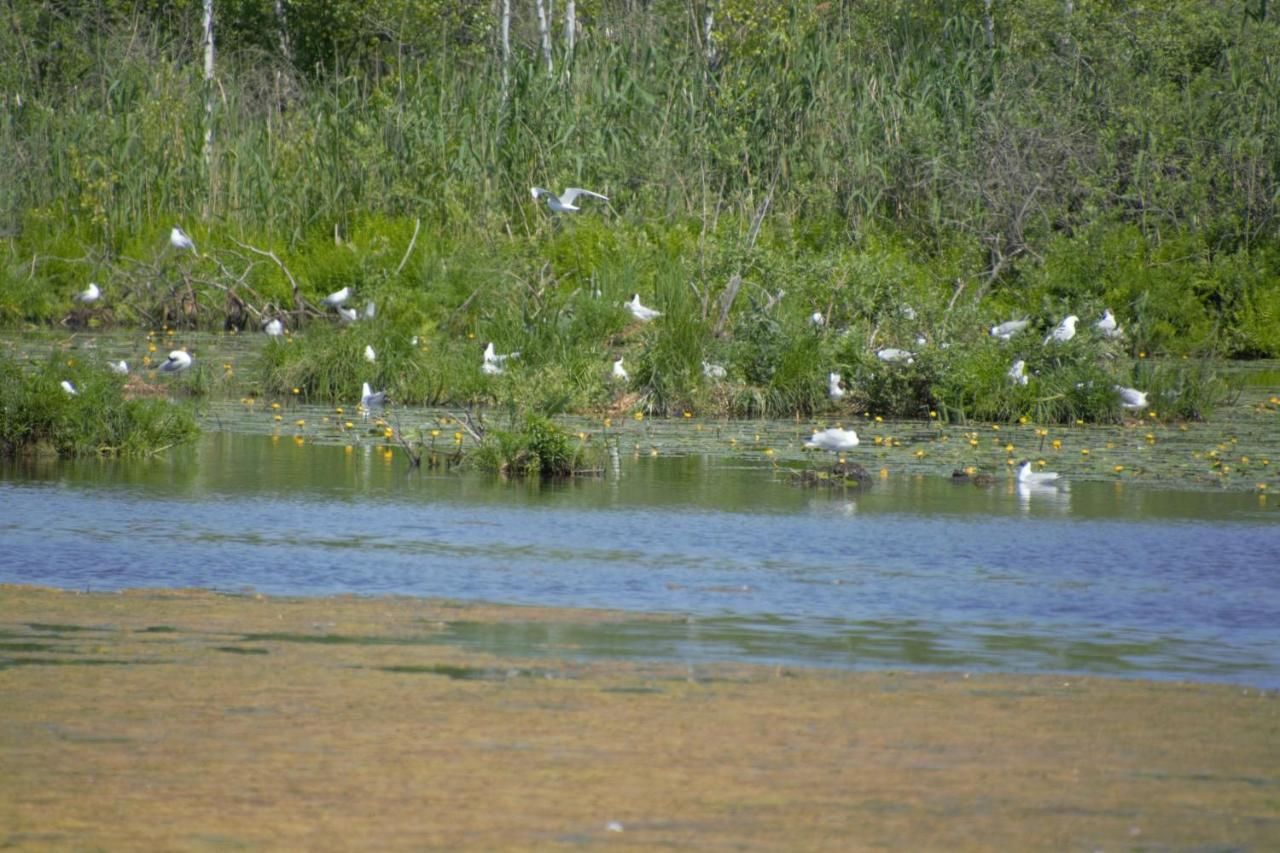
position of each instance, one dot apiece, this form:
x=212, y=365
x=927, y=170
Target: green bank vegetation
x=910, y=173
x=96, y=412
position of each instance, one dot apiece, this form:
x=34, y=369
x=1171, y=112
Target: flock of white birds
x=833, y=439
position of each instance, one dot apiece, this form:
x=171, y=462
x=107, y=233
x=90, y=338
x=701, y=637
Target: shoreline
x=191, y=719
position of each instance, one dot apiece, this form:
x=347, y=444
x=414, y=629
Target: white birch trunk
x=988, y=25
x=570, y=24
x=506, y=49
x=708, y=29
x=544, y=32
x=285, y=50
x=207, y=41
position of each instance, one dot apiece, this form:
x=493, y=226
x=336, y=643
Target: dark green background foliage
x=861, y=156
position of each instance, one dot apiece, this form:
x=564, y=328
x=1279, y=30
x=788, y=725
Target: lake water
x=913, y=572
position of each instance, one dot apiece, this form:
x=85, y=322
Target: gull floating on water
x=1018, y=373
x=120, y=368
x=1108, y=325
x=89, y=294
x=1064, y=331
x=68, y=387
x=371, y=399
x=713, y=371
x=1028, y=477
x=833, y=439
x=1008, y=329
x=564, y=203
x=178, y=239
x=369, y=355
x=641, y=312
x=834, y=389
x=177, y=361
x=337, y=298
x=620, y=372
x=892, y=355
x=274, y=327
x=1131, y=398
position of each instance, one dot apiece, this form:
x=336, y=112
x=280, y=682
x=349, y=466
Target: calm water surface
x=913, y=572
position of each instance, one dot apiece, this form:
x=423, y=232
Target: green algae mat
x=189, y=720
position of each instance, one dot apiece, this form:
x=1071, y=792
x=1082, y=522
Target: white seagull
x=371, y=399
x=347, y=315
x=564, y=203
x=1131, y=398
x=1006, y=330
x=370, y=310
x=178, y=239
x=834, y=439
x=1028, y=477
x=274, y=327
x=337, y=298
x=713, y=371
x=492, y=357
x=1064, y=331
x=641, y=312
x=177, y=361
x=89, y=294
x=120, y=368
x=1108, y=325
x=817, y=320
x=369, y=355
x=1018, y=373
x=68, y=387
x=834, y=389
x=620, y=372
x=892, y=355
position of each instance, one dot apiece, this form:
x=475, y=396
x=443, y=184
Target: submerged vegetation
x=75, y=409
x=797, y=187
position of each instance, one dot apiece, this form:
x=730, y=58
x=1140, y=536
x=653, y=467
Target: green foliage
x=38, y=416
x=534, y=447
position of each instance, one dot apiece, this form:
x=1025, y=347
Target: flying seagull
x=564, y=203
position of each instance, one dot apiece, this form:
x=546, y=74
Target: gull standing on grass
x=640, y=312
x=834, y=439
x=1108, y=325
x=491, y=356
x=69, y=388
x=1018, y=373
x=338, y=298
x=1064, y=331
x=564, y=203
x=120, y=368
x=179, y=239
x=620, y=372
x=347, y=315
x=369, y=355
x=89, y=294
x=274, y=327
x=834, y=389
x=1006, y=330
x=892, y=355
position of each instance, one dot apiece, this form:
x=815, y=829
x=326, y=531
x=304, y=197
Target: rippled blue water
x=913, y=572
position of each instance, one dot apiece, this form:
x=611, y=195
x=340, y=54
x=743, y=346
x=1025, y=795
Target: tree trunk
x=285, y=50
x=570, y=24
x=207, y=42
x=988, y=25
x=506, y=50
x=544, y=33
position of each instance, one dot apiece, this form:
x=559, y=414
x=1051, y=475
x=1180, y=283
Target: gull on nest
x=713, y=371
x=492, y=357
x=620, y=372
x=177, y=361
x=337, y=298
x=1108, y=325
x=180, y=240
x=89, y=294
x=1006, y=330
x=1064, y=331
x=641, y=312
x=274, y=327
x=1131, y=398
x=893, y=355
